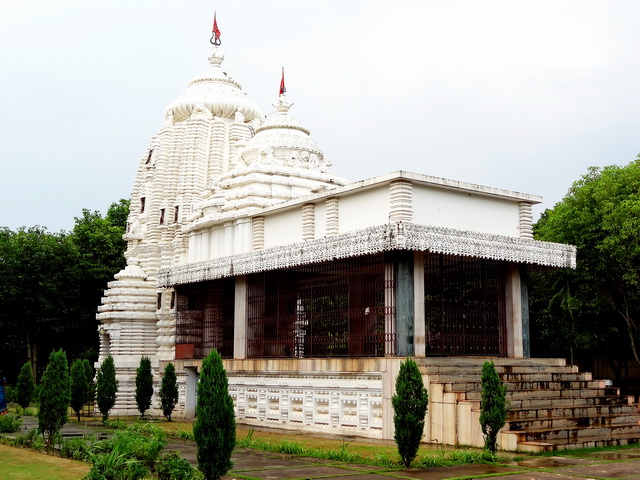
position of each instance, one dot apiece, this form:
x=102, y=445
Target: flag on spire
x=215, y=32
x=283, y=90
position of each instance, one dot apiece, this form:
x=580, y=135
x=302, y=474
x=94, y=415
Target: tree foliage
x=54, y=395
x=169, y=391
x=38, y=294
x=51, y=285
x=215, y=427
x=106, y=387
x=79, y=386
x=410, y=404
x=25, y=386
x=597, y=305
x=493, y=406
x=144, y=385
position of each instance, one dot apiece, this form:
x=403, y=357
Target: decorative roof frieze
x=381, y=238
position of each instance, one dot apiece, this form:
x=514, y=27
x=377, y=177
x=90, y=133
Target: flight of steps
x=552, y=406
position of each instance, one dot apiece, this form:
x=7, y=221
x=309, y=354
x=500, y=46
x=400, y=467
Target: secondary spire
x=215, y=32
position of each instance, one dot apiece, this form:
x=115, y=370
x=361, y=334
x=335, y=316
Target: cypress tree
x=79, y=386
x=169, y=390
x=409, y=409
x=215, y=426
x=107, y=387
x=54, y=396
x=88, y=371
x=493, y=406
x=25, y=386
x=144, y=385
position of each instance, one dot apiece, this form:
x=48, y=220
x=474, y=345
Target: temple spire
x=215, y=32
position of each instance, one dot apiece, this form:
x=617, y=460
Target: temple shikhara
x=314, y=289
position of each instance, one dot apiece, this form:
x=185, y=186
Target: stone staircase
x=552, y=406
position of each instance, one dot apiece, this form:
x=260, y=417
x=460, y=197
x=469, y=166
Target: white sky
x=522, y=95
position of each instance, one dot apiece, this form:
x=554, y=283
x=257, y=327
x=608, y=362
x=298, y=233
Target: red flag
x=282, y=87
x=215, y=38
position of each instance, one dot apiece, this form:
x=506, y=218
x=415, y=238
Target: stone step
x=548, y=395
x=577, y=433
x=556, y=423
x=501, y=369
x=585, y=442
x=531, y=403
x=462, y=386
x=498, y=361
x=572, y=411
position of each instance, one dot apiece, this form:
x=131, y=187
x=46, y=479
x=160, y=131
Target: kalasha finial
x=283, y=90
x=215, y=32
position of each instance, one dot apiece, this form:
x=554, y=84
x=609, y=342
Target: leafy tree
x=169, y=391
x=493, y=406
x=38, y=293
x=107, y=387
x=215, y=427
x=410, y=404
x=51, y=285
x=600, y=215
x=25, y=386
x=79, y=386
x=54, y=395
x=144, y=385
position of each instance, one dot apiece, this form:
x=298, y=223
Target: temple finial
x=215, y=32
x=283, y=89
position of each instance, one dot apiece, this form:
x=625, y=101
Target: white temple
x=313, y=289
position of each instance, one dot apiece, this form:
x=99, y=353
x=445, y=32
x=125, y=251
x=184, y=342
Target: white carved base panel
x=314, y=402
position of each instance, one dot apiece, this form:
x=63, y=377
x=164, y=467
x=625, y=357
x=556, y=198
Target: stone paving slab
x=628, y=469
x=301, y=472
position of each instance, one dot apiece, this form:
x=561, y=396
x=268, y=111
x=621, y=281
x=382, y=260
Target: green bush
x=144, y=385
x=169, y=391
x=116, y=464
x=409, y=409
x=493, y=406
x=77, y=448
x=107, y=387
x=9, y=423
x=10, y=394
x=127, y=455
x=171, y=466
x=29, y=440
x=25, y=386
x=54, y=397
x=215, y=427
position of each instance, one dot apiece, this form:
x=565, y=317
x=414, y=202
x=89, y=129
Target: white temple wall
x=364, y=209
x=283, y=227
x=465, y=211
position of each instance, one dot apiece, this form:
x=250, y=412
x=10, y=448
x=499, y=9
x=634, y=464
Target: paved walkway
x=254, y=464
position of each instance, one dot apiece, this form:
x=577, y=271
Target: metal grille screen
x=464, y=306
x=335, y=309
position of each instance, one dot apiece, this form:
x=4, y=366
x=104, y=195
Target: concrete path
x=254, y=464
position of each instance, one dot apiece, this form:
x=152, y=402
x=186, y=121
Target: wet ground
x=254, y=464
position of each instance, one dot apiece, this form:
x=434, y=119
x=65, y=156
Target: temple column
x=403, y=274
x=514, y=310
x=240, y=315
x=419, y=333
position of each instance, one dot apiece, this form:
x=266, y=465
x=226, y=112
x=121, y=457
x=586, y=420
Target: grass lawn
x=25, y=464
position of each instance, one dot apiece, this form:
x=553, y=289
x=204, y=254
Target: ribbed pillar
x=526, y=220
x=400, y=201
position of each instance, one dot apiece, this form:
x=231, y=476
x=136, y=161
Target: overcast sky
x=521, y=95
